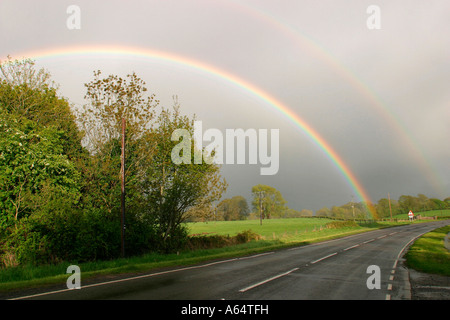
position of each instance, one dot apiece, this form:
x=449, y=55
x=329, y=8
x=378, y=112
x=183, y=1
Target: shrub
x=176, y=239
x=219, y=241
x=341, y=224
x=246, y=236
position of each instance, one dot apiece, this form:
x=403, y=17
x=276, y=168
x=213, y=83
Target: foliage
x=31, y=98
x=272, y=202
x=175, y=192
x=22, y=72
x=30, y=160
x=341, y=224
x=160, y=195
x=384, y=208
x=218, y=241
x=110, y=100
x=235, y=208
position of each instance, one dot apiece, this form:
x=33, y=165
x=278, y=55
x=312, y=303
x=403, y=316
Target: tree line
x=268, y=202
x=385, y=207
x=60, y=170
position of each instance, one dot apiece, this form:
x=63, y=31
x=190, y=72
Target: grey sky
x=314, y=56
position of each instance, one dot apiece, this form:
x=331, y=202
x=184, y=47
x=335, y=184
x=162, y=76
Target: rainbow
x=344, y=169
x=307, y=44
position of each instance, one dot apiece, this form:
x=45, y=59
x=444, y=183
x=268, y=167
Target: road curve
x=332, y=270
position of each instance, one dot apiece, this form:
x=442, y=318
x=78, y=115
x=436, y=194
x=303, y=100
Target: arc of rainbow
x=318, y=52
x=213, y=70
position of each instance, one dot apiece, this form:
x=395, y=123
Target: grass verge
x=428, y=253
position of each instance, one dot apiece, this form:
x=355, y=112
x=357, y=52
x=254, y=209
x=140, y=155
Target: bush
x=177, y=239
x=246, y=236
x=341, y=224
x=219, y=241
x=60, y=231
x=24, y=246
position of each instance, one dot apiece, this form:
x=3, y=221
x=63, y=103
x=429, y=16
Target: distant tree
x=235, y=208
x=423, y=202
x=382, y=208
x=407, y=203
x=447, y=202
x=291, y=213
x=324, y=212
x=436, y=204
x=338, y=212
x=273, y=203
x=306, y=213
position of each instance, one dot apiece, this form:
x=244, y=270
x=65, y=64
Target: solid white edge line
x=41, y=294
x=413, y=239
x=395, y=264
x=142, y=276
x=268, y=280
x=388, y=296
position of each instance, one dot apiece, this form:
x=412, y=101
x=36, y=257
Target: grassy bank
x=428, y=253
x=274, y=234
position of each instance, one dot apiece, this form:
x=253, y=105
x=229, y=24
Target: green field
x=269, y=229
x=294, y=230
x=278, y=228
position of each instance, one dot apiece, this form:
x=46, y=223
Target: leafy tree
x=273, y=203
x=110, y=100
x=306, y=213
x=29, y=94
x=235, y=208
x=31, y=162
x=407, y=203
x=447, y=202
x=324, y=212
x=23, y=72
x=176, y=191
x=339, y=212
x=159, y=193
x=39, y=148
x=382, y=207
x=436, y=204
x=37, y=139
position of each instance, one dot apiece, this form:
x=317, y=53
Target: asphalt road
x=332, y=270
